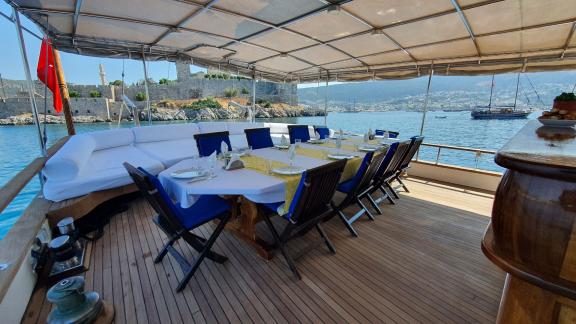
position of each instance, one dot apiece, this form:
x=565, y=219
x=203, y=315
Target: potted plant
x=565, y=101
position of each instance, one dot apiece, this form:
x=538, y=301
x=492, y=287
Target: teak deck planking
x=418, y=262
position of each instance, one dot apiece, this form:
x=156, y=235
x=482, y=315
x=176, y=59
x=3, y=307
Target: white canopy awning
x=307, y=40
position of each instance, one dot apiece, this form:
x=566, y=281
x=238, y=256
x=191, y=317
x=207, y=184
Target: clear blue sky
x=78, y=69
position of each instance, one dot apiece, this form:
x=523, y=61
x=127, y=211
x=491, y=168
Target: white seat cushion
x=104, y=170
x=238, y=141
x=237, y=128
x=277, y=128
x=212, y=127
x=170, y=152
x=168, y=132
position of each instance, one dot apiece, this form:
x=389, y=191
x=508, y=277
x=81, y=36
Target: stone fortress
x=14, y=99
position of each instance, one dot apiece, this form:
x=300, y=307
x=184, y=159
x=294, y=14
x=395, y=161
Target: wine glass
x=292, y=155
x=338, y=145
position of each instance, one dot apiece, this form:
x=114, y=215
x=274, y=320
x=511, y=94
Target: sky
x=77, y=68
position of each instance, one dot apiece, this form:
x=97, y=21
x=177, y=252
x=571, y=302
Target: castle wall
x=96, y=107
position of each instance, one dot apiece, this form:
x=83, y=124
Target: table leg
x=245, y=216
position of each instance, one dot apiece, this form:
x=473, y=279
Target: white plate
x=366, y=149
x=389, y=141
x=288, y=170
x=188, y=174
x=282, y=147
x=340, y=156
x=557, y=122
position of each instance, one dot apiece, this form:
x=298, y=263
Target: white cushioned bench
x=92, y=162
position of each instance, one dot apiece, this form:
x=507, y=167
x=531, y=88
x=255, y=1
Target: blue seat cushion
x=206, y=208
x=347, y=185
x=324, y=132
x=259, y=138
x=300, y=132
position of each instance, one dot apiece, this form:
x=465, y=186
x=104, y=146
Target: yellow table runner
x=360, y=140
x=345, y=147
x=350, y=169
x=291, y=182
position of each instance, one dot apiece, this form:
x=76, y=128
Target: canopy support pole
x=253, y=109
x=146, y=89
x=66, y=106
x=425, y=109
x=326, y=103
x=29, y=80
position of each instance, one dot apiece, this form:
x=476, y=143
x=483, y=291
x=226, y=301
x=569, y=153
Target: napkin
x=223, y=148
x=234, y=163
x=316, y=136
x=283, y=140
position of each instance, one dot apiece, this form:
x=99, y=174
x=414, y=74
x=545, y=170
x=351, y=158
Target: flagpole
x=66, y=105
x=28, y=79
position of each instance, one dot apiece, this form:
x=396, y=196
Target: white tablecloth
x=251, y=184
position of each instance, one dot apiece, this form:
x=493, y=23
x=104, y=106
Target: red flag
x=48, y=75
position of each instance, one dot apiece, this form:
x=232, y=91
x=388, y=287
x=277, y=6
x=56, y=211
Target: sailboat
x=501, y=111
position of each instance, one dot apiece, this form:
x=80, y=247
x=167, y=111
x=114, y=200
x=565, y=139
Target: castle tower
x=102, y=75
x=182, y=71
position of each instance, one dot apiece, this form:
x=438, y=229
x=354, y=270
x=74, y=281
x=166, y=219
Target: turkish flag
x=47, y=74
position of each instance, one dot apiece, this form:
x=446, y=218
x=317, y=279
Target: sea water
x=19, y=145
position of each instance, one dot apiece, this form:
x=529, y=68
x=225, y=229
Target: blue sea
x=19, y=144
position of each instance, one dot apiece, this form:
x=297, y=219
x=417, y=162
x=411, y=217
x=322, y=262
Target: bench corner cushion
x=104, y=170
x=170, y=152
x=70, y=159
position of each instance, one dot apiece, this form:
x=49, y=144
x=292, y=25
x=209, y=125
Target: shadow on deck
x=418, y=262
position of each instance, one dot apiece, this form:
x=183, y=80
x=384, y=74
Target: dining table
x=255, y=183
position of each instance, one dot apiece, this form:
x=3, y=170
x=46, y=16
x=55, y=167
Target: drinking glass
x=338, y=145
x=291, y=156
x=269, y=166
x=297, y=142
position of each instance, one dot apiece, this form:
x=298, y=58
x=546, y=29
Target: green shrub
x=74, y=94
x=245, y=91
x=140, y=96
x=230, y=93
x=116, y=83
x=95, y=94
x=164, y=81
x=204, y=103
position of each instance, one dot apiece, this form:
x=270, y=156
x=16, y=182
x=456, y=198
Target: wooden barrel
x=532, y=235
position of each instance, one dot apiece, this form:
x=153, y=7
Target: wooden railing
x=15, y=246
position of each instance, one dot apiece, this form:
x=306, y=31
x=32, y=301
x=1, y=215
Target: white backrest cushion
x=277, y=128
x=311, y=131
x=212, y=127
x=147, y=134
x=112, y=138
x=70, y=158
x=237, y=128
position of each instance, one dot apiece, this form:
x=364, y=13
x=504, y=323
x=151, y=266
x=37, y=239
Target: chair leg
x=165, y=249
x=402, y=183
x=282, y=247
x=347, y=223
x=374, y=204
x=392, y=190
x=387, y=195
x=325, y=238
x=361, y=204
x=182, y=284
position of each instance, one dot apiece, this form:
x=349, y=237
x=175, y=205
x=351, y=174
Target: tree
x=164, y=81
x=95, y=94
x=116, y=83
x=140, y=96
x=74, y=94
x=245, y=91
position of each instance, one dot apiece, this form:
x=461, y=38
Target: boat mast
x=491, y=92
x=66, y=105
x=516, y=95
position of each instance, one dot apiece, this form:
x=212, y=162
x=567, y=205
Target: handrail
x=11, y=189
x=460, y=148
x=15, y=245
x=478, y=152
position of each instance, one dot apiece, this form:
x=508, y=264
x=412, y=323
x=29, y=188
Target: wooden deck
x=419, y=262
